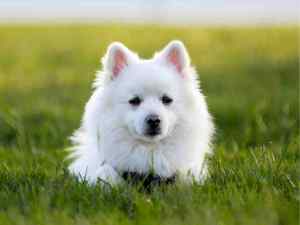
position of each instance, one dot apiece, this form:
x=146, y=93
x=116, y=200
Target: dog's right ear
x=117, y=58
x=174, y=55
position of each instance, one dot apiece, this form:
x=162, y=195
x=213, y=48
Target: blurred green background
x=249, y=75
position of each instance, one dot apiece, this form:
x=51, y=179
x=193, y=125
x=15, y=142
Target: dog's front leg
x=106, y=174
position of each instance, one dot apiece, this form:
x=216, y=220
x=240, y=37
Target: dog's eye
x=166, y=100
x=135, y=101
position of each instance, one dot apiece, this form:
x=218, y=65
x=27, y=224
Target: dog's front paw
x=106, y=174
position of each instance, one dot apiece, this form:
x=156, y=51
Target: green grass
x=250, y=77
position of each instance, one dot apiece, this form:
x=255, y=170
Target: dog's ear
x=174, y=54
x=117, y=58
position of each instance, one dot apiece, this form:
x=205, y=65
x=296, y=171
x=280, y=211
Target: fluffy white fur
x=111, y=139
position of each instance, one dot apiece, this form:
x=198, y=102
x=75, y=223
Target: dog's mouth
x=152, y=133
x=149, y=136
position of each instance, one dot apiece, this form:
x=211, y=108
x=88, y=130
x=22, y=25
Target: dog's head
x=148, y=97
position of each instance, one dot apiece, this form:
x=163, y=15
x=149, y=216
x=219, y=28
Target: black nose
x=153, y=121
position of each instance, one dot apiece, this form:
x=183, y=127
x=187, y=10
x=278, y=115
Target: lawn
x=250, y=77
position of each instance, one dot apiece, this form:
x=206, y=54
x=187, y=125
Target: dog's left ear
x=175, y=55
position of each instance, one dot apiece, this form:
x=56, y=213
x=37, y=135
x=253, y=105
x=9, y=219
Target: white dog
x=144, y=116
